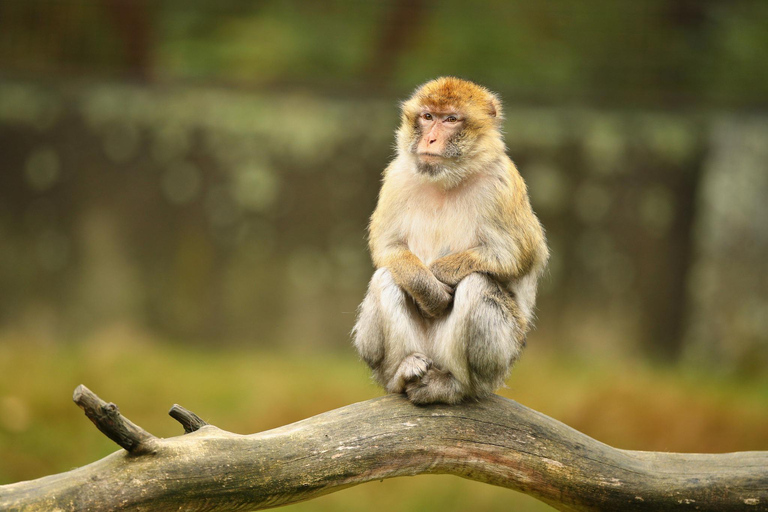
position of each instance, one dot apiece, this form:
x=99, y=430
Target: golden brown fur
x=458, y=251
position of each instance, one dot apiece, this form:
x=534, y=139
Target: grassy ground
x=623, y=403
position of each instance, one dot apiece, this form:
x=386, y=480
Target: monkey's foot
x=411, y=369
x=436, y=386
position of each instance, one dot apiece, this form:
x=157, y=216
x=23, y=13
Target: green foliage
x=265, y=41
x=648, y=52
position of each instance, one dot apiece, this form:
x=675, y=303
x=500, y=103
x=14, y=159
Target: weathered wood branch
x=107, y=418
x=189, y=420
x=496, y=441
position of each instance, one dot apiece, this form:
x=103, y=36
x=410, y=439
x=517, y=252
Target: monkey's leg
x=475, y=346
x=389, y=333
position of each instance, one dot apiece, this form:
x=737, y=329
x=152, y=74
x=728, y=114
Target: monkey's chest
x=432, y=233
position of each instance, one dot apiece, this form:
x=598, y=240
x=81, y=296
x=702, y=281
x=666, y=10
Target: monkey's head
x=447, y=126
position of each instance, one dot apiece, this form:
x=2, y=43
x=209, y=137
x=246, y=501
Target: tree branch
x=189, y=420
x=496, y=441
x=107, y=418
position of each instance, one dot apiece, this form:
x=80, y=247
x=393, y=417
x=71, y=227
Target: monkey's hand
x=432, y=296
x=453, y=268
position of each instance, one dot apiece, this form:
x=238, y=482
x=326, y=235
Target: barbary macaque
x=457, y=249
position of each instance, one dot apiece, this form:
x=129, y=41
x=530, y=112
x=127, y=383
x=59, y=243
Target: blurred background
x=185, y=188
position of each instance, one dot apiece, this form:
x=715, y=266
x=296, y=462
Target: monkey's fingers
x=436, y=308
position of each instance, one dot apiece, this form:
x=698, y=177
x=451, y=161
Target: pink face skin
x=437, y=128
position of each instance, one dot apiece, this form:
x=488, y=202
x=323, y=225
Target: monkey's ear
x=494, y=107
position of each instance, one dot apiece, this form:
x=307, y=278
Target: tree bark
x=496, y=441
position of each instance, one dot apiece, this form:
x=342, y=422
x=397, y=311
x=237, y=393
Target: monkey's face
x=437, y=138
x=445, y=125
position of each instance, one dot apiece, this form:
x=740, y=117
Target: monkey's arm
x=453, y=268
x=511, y=241
x=410, y=274
x=502, y=255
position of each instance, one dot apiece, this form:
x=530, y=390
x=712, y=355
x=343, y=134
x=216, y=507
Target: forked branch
x=107, y=418
x=496, y=441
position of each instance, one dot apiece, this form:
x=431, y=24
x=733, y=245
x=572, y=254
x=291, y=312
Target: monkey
x=457, y=251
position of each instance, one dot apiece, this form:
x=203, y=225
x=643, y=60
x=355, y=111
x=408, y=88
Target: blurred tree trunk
x=400, y=25
x=728, y=282
x=665, y=261
x=131, y=18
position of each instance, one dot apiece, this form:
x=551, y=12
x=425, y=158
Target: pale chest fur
x=435, y=223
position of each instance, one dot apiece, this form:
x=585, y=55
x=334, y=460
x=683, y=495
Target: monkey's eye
x=427, y=116
x=452, y=119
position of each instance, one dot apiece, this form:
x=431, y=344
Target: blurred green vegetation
x=626, y=403
x=211, y=214
x=648, y=52
x=184, y=190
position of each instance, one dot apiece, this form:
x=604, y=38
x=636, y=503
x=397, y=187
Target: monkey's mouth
x=430, y=157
